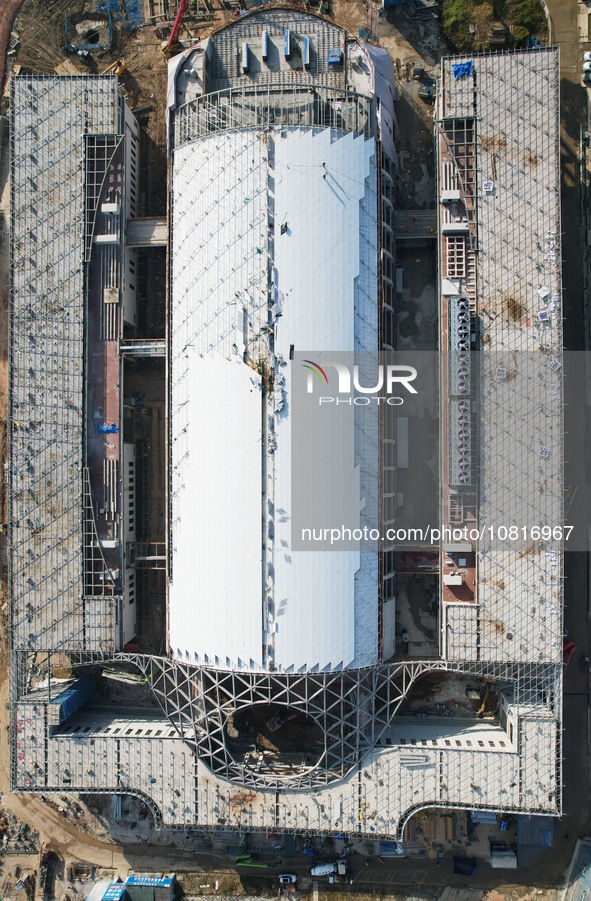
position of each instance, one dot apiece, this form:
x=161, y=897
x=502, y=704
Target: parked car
x=587, y=66
x=427, y=90
x=587, y=56
x=287, y=879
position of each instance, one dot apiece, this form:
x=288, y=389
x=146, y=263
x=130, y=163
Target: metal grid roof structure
x=513, y=98
x=289, y=106
x=223, y=48
x=240, y=300
x=498, y=145
x=115, y=755
x=406, y=765
x=51, y=117
x=372, y=770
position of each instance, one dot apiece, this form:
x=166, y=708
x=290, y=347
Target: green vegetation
x=527, y=14
x=456, y=20
x=467, y=23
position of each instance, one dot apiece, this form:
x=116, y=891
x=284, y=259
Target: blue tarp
x=74, y=696
x=460, y=70
x=105, y=429
x=391, y=849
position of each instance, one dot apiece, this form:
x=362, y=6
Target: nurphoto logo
x=349, y=386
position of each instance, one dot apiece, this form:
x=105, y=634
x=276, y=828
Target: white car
x=587, y=56
x=587, y=66
x=287, y=879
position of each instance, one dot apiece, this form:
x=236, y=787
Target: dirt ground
x=8, y=11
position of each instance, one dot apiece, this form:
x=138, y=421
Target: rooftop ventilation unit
x=265, y=46
x=287, y=43
x=244, y=57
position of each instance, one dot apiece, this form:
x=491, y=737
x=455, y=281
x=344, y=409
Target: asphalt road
x=573, y=98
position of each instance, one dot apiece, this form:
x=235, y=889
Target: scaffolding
x=100, y=151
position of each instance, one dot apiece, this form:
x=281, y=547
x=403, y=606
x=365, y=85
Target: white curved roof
x=226, y=263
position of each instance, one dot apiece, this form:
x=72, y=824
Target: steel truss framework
x=352, y=708
x=302, y=106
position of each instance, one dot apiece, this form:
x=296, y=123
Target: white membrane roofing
x=233, y=277
x=218, y=224
x=215, y=610
x=326, y=602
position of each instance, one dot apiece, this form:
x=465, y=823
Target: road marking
x=419, y=875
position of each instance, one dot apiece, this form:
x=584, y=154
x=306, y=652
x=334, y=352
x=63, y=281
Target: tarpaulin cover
x=461, y=69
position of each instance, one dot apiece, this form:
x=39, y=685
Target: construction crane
x=171, y=46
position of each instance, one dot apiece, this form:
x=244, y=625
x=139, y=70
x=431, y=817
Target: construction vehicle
x=488, y=703
x=44, y=857
x=172, y=45
x=117, y=68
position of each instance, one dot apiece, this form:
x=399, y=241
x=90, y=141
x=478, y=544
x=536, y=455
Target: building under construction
x=277, y=703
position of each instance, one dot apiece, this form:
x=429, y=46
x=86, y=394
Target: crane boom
x=176, y=25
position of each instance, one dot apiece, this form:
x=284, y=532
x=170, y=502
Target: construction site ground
x=83, y=830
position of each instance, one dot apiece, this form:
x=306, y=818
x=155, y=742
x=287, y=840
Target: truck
x=322, y=869
x=391, y=849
